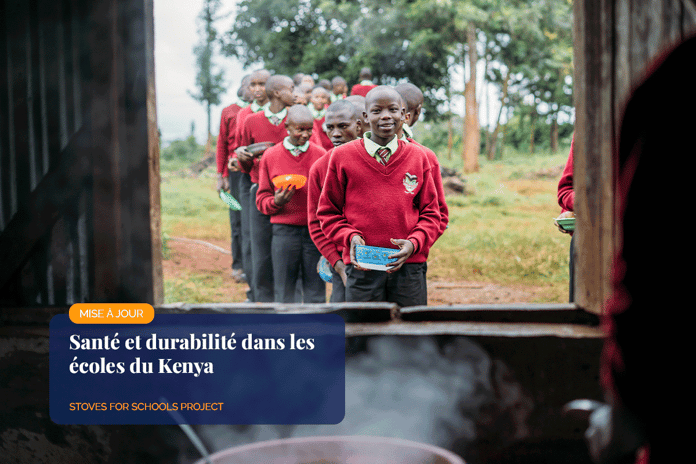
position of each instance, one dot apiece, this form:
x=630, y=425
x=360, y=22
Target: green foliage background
x=422, y=41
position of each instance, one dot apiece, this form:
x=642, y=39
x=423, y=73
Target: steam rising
x=425, y=389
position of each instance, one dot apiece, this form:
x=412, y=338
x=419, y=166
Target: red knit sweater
x=437, y=178
x=315, y=182
x=319, y=136
x=226, y=141
x=359, y=89
x=277, y=161
x=566, y=194
x=239, y=125
x=399, y=200
x=241, y=117
x=257, y=128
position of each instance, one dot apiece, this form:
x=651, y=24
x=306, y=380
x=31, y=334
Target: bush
x=183, y=150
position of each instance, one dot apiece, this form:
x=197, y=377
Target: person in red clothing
x=566, y=200
x=359, y=102
x=365, y=84
x=339, y=88
x=228, y=179
x=318, y=102
x=403, y=134
x=265, y=126
x=380, y=191
x=343, y=125
x=413, y=98
x=646, y=359
x=292, y=251
x=257, y=89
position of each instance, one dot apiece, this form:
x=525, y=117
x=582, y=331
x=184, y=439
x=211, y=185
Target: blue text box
x=199, y=369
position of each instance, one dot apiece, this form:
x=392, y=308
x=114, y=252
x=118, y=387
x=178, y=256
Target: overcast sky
x=176, y=33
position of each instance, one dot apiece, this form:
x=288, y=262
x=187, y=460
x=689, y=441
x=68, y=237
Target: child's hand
x=223, y=183
x=243, y=155
x=340, y=268
x=567, y=214
x=233, y=165
x=406, y=250
x=356, y=240
x=282, y=196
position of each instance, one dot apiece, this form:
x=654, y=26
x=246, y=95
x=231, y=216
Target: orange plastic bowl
x=288, y=180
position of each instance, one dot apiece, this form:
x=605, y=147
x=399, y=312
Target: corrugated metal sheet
x=42, y=54
x=76, y=190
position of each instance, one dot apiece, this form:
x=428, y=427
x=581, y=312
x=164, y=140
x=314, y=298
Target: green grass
x=504, y=232
x=194, y=288
x=191, y=207
x=501, y=233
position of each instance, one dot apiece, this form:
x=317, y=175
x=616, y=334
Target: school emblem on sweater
x=410, y=182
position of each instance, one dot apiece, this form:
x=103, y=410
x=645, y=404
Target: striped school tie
x=382, y=154
x=275, y=120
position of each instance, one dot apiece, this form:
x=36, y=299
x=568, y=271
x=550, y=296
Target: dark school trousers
x=247, y=206
x=338, y=290
x=236, y=224
x=294, y=255
x=262, y=263
x=571, y=270
x=405, y=287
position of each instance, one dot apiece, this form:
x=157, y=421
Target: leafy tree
x=526, y=46
x=398, y=39
x=209, y=82
x=529, y=46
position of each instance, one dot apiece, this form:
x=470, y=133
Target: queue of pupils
x=368, y=183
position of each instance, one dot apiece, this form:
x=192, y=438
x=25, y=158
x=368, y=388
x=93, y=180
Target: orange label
x=112, y=313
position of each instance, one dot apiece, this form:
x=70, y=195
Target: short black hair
x=296, y=112
x=344, y=105
x=244, y=84
x=366, y=72
x=260, y=71
x=322, y=90
x=411, y=94
x=338, y=80
x=275, y=82
x=383, y=88
x=297, y=78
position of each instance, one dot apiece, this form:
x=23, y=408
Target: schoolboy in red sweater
x=257, y=89
x=412, y=98
x=566, y=200
x=339, y=88
x=292, y=250
x=365, y=84
x=379, y=191
x=343, y=125
x=265, y=126
x=228, y=179
x=359, y=102
x=318, y=102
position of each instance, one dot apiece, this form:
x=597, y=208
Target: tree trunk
x=494, y=138
x=472, y=134
x=532, y=121
x=209, y=120
x=485, y=99
x=450, y=138
x=554, y=135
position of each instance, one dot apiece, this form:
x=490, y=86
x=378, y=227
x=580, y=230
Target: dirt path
x=191, y=257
